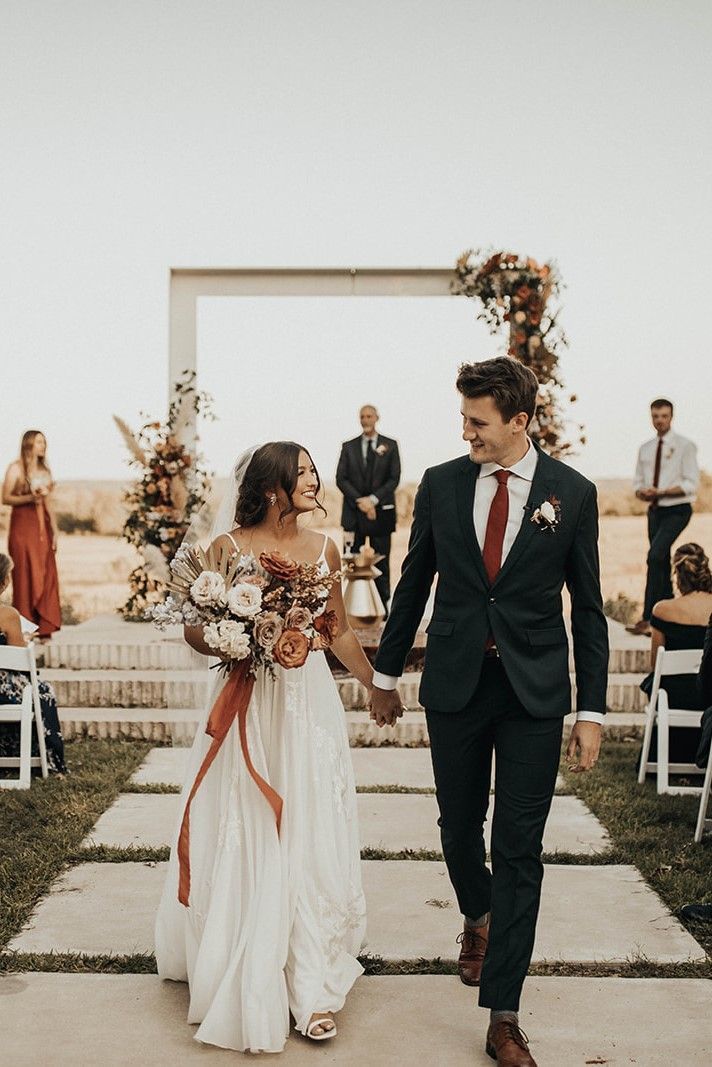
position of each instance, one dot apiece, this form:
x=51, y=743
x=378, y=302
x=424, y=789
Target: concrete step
x=373, y=767
x=154, y=688
x=170, y=654
x=389, y=821
x=114, y=1019
x=99, y=908
x=178, y=725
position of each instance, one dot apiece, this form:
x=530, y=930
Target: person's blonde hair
x=691, y=569
x=5, y=568
x=26, y=446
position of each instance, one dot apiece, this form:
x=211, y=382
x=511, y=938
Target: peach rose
x=298, y=618
x=291, y=649
x=278, y=565
x=327, y=625
x=267, y=629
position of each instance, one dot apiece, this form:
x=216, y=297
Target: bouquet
x=252, y=614
x=274, y=613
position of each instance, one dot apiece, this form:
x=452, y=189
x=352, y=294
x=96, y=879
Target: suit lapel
x=543, y=485
x=465, y=495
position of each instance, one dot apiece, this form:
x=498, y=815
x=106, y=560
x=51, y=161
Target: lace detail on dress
x=335, y=923
x=330, y=763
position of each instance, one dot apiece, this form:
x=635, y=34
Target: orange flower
x=327, y=624
x=279, y=566
x=292, y=649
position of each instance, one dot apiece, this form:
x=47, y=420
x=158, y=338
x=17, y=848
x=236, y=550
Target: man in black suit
x=504, y=528
x=368, y=474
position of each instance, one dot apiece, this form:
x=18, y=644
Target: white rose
x=208, y=588
x=547, y=511
x=244, y=599
x=211, y=635
x=234, y=642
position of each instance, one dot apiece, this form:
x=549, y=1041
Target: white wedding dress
x=275, y=921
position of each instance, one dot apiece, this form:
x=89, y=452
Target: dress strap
x=322, y=554
x=237, y=547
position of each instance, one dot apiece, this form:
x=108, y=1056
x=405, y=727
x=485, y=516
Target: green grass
x=42, y=828
x=654, y=833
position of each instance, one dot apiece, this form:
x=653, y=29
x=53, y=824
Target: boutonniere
x=381, y=450
x=548, y=515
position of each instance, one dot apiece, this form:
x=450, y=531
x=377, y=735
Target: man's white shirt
x=519, y=487
x=678, y=466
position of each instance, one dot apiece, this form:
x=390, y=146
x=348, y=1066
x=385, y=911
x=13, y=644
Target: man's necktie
x=656, y=468
x=496, y=526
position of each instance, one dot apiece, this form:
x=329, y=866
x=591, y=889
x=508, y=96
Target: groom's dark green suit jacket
x=522, y=609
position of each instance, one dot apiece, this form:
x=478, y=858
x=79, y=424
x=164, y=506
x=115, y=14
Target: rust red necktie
x=656, y=469
x=496, y=526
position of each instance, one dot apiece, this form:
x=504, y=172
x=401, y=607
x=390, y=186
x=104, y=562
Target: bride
x=275, y=920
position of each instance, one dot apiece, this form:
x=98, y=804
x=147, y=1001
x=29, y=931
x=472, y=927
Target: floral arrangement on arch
x=172, y=484
x=516, y=290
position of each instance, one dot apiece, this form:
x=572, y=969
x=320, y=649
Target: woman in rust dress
x=32, y=541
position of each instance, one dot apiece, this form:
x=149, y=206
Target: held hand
x=365, y=504
x=584, y=743
x=386, y=706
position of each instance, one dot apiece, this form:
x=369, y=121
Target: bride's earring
x=272, y=498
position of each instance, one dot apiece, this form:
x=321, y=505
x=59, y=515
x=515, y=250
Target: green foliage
x=655, y=833
x=41, y=828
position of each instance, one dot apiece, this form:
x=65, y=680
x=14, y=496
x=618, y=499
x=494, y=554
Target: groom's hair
x=512, y=386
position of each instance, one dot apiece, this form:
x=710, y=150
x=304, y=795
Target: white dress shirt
x=518, y=487
x=678, y=466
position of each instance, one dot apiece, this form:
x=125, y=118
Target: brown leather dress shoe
x=473, y=944
x=508, y=1045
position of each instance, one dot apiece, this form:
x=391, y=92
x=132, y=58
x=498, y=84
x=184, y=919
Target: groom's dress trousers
x=495, y=679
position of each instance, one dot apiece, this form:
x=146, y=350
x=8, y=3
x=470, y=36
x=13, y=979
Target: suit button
x=492, y=600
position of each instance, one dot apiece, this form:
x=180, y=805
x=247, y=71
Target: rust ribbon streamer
x=233, y=701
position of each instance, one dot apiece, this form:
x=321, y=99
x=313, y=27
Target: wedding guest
x=680, y=623
x=702, y=913
x=667, y=478
x=368, y=474
x=12, y=684
x=32, y=540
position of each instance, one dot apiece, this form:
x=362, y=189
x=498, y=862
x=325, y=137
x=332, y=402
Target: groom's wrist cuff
x=590, y=716
x=384, y=681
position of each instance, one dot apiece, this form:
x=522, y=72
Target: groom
x=504, y=528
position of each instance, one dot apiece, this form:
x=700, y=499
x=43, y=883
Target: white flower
x=166, y=614
x=191, y=615
x=208, y=588
x=211, y=633
x=233, y=641
x=244, y=599
x=547, y=511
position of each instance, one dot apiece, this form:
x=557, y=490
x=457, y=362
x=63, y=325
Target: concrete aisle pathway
x=602, y=913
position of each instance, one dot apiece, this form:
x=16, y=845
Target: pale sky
x=137, y=136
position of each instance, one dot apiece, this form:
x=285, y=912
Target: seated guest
x=702, y=913
x=680, y=623
x=12, y=684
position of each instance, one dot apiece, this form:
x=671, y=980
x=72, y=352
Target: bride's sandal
x=317, y=1023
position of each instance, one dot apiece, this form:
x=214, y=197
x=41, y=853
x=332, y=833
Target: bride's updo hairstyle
x=273, y=466
x=691, y=568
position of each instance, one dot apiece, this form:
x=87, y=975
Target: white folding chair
x=23, y=659
x=683, y=661
x=703, y=823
